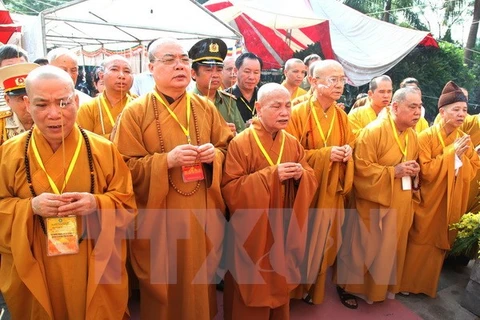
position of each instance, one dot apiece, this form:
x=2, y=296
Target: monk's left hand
x=80, y=204
x=206, y=153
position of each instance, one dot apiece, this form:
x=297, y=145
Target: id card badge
x=62, y=236
x=406, y=183
x=192, y=173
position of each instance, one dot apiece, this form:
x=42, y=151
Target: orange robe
x=471, y=126
x=297, y=93
x=360, y=117
x=266, y=240
x=302, y=98
x=91, y=284
x=444, y=201
x=175, y=278
x=93, y=117
x=370, y=262
x=335, y=181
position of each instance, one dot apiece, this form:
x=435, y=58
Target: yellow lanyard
x=107, y=109
x=70, y=166
x=403, y=151
x=320, y=127
x=251, y=110
x=264, y=152
x=186, y=130
x=440, y=137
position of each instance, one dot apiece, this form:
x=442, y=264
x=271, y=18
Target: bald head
x=292, y=62
x=158, y=44
x=267, y=91
x=273, y=107
x=116, y=57
x=47, y=73
x=323, y=68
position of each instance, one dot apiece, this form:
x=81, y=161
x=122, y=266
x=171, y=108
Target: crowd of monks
x=199, y=174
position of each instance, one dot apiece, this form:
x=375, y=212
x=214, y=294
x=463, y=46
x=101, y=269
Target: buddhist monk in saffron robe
x=448, y=164
x=174, y=144
x=57, y=172
x=379, y=96
x=471, y=126
x=294, y=73
x=268, y=231
x=370, y=261
x=99, y=114
x=323, y=130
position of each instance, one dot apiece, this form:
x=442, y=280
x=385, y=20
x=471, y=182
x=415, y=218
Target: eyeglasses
x=334, y=80
x=170, y=59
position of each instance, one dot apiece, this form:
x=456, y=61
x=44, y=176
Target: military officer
x=207, y=64
x=14, y=119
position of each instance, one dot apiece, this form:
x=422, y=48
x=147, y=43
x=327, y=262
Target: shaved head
x=115, y=57
x=323, y=67
x=46, y=73
x=266, y=92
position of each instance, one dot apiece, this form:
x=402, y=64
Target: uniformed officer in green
x=14, y=117
x=207, y=64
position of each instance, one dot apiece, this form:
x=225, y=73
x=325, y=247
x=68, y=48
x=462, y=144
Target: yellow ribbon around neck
x=439, y=134
x=107, y=109
x=395, y=134
x=248, y=106
x=70, y=166
x=264, y=152
x=186, y=130
x=317, y=122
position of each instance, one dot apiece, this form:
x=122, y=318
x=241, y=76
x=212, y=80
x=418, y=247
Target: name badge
x=62, y=236
x=407, y=183
x=192, y=173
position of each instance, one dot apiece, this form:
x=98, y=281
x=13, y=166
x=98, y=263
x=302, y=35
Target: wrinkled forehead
x=170, y=48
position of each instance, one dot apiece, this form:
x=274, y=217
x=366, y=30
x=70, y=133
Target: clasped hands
x=66, y=204
x=188, y=155
x=408, y=168
x=341, y=154
x=288, y=170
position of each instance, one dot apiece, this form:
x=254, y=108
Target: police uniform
x=12, y=80
x=212, y=52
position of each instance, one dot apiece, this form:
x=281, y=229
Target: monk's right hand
x=407, y=168
x=46, y=204
x=461, y=145
x=338, y=154
x=182, y=155
x=289, y=170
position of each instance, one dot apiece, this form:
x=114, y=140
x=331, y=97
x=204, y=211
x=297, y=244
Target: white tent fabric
x=95, y=25
x=366, y=47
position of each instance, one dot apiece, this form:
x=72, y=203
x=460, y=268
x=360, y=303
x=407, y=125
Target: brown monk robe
x=268, y=231
x=179, y=232
x=92, y=283
x=448, y=165
x=99, y=114
x=370, y=261
x=323, y=130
